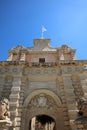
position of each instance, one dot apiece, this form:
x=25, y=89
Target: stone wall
x=63, y=82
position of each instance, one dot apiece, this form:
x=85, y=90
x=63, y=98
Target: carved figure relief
x=4, y=109
x=82, y=106
x=42, y=101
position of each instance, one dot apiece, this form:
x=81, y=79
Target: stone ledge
x=48, y=64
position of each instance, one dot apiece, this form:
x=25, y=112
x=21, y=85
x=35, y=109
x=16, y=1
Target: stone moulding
x=49, y=93
x=48, y=64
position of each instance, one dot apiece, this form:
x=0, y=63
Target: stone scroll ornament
x=4, y=109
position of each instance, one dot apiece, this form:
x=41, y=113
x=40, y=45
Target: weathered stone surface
x=44, y=81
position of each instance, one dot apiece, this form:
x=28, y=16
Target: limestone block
x=73, y=114
x=65, y=109
x=70, y=93
x=67, y=128
x=14, y=96
x=80, y=126
x=72, y=107
x=66, y=118
x=21, y=98
x=68, y=86
x=17, y=82
x=21, y=94
x=14, y=104
x=63, y=96
x=44, y=84
x=19, y=109
x=84, y=89
x=64, y=105
x=19, y=114
x=66, y=123
x=14, y=113
x=18, y=118
x=64, y=101
x=17, y=128
x=85, y=95
x=72, y=124
x=18, y=123
x=15, y=88
x=21, y=102
x=65, y=114
x=71, y=101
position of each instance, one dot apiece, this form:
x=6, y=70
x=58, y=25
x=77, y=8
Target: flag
x=43, y=29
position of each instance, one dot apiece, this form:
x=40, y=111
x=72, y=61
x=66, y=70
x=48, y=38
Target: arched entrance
x=42, y=104
x=42, y=122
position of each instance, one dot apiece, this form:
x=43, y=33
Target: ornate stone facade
x=44, y=86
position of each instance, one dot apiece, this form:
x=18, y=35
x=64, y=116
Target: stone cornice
x=41, y=52
x=46, y=64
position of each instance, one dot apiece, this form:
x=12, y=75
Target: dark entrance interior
x=42, y=122
x=41, y=60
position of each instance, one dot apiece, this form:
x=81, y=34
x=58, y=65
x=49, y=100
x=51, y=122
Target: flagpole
x=43, y=30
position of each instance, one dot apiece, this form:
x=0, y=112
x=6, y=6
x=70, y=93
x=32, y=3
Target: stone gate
x=44, y=87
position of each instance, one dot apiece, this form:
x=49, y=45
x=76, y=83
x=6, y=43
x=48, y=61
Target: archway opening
x=42, y=122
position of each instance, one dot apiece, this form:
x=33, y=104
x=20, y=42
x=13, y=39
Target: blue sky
x=65, y=20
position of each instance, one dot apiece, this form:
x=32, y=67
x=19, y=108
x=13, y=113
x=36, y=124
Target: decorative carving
x=42, y=101
x=4, y=109
x=6, y=70
x=41, y=71
x=82, y=106
x=19, y=47
x=81, y=122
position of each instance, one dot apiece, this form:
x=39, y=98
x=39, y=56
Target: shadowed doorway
x=42, y=122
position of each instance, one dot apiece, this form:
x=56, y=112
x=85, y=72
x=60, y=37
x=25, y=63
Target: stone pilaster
x=14, y=101
x=84, y=86
x=70, y=99
x=22, y=57
x=2, y=81
x=64, y=105
x=20, y=108
x=76, y=82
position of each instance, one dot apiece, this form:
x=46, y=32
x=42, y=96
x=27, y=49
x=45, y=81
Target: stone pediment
x=42, y=48
x=18, y=48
